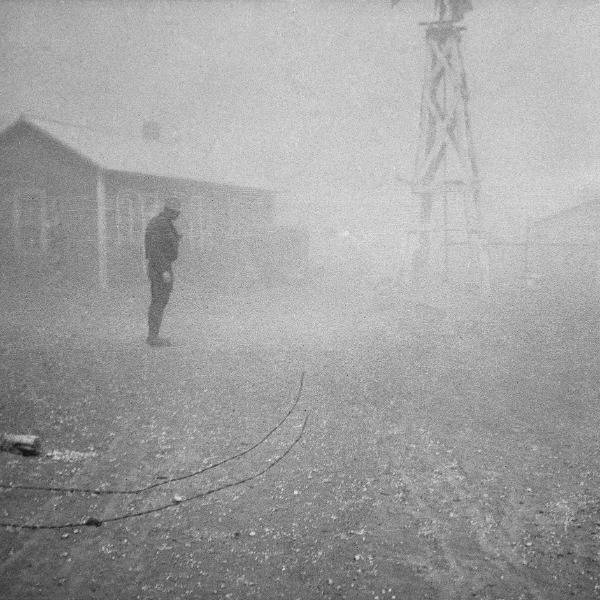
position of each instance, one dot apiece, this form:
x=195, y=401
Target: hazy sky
x=320, y=95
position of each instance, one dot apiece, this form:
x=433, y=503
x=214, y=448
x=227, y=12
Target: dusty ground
x=451, y=449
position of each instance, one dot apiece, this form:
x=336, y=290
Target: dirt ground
x=450, y=449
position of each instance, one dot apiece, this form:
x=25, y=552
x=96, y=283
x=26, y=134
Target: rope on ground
x=92, y=521
x=109, y=491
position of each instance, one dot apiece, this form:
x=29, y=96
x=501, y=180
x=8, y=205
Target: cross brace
x=446, y=143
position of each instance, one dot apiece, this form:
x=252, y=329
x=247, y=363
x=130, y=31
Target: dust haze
x=359, y=402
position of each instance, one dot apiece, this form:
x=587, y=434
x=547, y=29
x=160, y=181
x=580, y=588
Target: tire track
x=442, y=497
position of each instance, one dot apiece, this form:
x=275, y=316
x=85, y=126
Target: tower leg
x=446, y=161
x=410, y=251
x=479, y=259
x=480, y=263
x=422, y=257
x=418, y=250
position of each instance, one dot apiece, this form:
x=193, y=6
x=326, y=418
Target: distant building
x=77, y=200
x=564, y=248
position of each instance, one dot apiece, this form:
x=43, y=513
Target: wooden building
x=76, y=200
x=564, y=248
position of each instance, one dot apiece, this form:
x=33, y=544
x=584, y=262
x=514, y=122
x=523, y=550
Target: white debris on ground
x=70, y=455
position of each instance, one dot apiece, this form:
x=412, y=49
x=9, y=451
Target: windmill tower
x=449, y=239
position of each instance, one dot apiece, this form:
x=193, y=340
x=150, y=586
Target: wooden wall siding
x=64, y=180
x=55, y=215
x=210, y=214
x=29, y=221
x=130, y=216
x=37, y=161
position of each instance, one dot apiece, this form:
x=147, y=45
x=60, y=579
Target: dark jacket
x=161, y=242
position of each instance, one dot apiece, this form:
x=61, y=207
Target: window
x=31, y=219
x=133, y=210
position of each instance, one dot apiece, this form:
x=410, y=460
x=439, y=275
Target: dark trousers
x=160, y=292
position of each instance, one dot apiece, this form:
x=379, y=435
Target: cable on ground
x=95, y=522
x=111, y=491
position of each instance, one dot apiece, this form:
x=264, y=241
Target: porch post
x=16, y=223
x=43, y=222
x=131, y=198
x=101, y=229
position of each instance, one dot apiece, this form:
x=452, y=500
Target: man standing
x=161, y=244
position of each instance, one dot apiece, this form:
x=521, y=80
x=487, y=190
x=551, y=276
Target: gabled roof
x=114, y=152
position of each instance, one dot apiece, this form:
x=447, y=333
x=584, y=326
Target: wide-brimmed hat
x=173, y=203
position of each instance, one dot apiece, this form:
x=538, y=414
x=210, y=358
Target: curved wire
x=92, y=521
x=99, y=491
